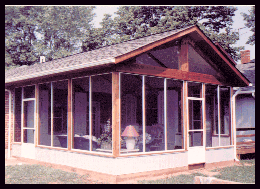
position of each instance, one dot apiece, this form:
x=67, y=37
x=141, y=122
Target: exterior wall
x=7, y=118
x=16, y=150
x=123, y=165
x=220, y=154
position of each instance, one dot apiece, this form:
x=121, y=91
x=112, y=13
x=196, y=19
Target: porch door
x=28, y=126
x=196, y=144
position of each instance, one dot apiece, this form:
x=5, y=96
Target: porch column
x=184, y=114
x=69, y=114
x=115, y=114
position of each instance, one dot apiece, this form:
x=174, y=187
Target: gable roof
x=117, y=53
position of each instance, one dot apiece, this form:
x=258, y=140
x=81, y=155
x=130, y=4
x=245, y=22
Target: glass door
x=195, y=123
x=28, y=122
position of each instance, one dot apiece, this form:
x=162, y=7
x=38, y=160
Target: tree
x=250, y=23
x=19, y=35
x=134, y=22
x=63, y=28
x=99, y=37
x=51, y=31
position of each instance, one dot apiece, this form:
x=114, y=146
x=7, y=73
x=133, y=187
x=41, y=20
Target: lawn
x=243, y=174
x=38, y=174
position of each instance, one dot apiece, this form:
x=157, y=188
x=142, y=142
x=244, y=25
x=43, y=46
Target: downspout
x=234, y=122
x=9, y=125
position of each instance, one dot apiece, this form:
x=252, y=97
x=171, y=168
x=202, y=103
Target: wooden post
x=69, y=114
x=184, y=117
x=183, y=57
x=115, y=114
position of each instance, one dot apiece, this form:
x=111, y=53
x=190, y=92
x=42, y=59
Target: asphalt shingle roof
x=86, y=59
x=248, y=70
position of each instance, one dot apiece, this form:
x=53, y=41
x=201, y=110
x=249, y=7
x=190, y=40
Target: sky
x=238, y=23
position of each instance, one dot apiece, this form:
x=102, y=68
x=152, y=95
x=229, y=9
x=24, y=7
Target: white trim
x=165, y=115
x=69, y=68
x=90, y=112
x=143, y=107
x=51, y=114
x=219, y=120
x=28, y=99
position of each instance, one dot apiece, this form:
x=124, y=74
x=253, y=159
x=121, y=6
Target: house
x=245, y=107
x=159, y=103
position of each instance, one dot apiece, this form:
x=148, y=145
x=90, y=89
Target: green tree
x=62, y=29
x=250, y=23
x=102, y=36
x=51, y=31
x=19, y=35
x=133, y=22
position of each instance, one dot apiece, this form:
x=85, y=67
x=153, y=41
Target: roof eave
x=61, y=70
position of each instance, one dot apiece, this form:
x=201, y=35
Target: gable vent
x=42, y=59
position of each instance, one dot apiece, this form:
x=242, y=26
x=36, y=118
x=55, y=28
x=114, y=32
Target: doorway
x=28, y=122
x=196, y=144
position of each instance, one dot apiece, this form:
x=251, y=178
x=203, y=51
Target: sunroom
x=155, y=103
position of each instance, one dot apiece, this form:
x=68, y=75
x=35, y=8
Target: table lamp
x=130, y=132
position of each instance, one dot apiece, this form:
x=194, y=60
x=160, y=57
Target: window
x=80, y=91
x=59, y=111
x=45, y=114
x=53, y=104
x=159, y=98
x=211, y=115
x=218, y=116
x=92, y=113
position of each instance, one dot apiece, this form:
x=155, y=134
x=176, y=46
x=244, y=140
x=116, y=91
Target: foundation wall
x=218, y=155
x=114, y=166
x=123, y=165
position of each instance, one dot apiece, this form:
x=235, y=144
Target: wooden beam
x=150, y=46
x=69, y=114
x=168, y=73
x=183, y=57
x=156, y=60
x=222, y=56
x=115, y=114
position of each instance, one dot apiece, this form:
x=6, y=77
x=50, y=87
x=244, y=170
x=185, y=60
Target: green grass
x=180, y=179
x=243, y=174
x=37, y=174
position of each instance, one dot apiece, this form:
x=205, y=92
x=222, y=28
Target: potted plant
x=105, y=139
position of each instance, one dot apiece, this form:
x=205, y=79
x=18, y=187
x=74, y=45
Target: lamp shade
x=130, y=131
